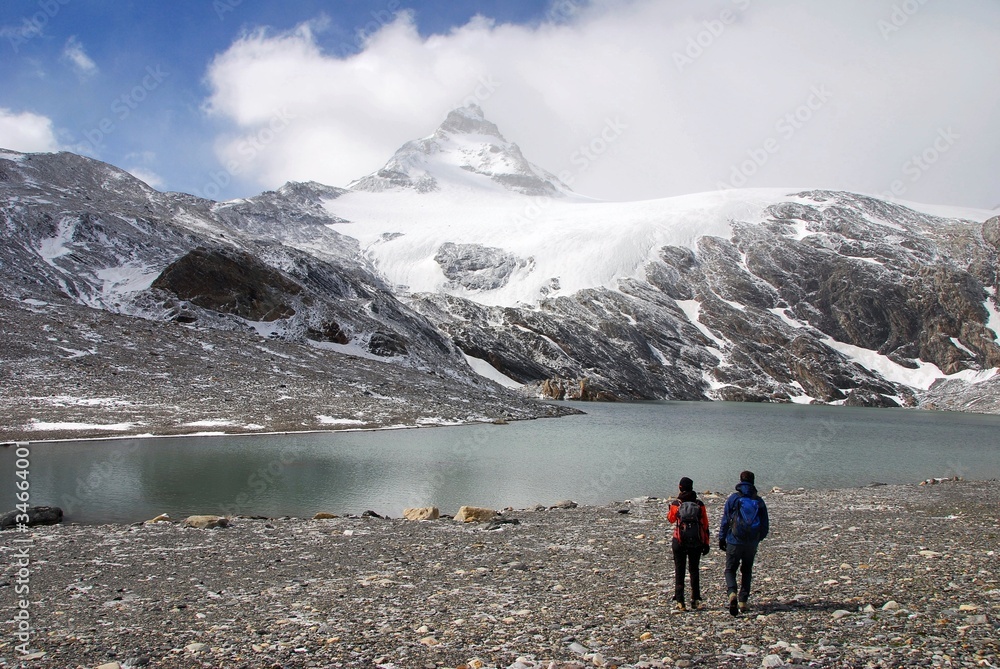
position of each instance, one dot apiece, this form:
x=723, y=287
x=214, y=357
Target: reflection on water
x=616, y=451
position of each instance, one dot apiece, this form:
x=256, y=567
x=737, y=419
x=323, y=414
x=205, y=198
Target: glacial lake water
x=614, y=452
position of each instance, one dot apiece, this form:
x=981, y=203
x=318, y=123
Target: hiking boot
x=679, y=607
x=696, y=604
x=733, y=605
x=743, y=607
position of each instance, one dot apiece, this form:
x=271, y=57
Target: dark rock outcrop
x=230, y=282
x=36, y=515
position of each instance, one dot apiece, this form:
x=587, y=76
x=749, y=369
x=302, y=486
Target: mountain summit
x=466, y=151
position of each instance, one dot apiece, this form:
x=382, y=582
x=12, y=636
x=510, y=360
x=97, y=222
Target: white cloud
x=140, y=163
x=27, y=132
x=704, y=92
x=151, y=178
x=75, y=54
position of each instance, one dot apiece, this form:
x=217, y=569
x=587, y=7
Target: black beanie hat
x=686, y=484
x=746, y=477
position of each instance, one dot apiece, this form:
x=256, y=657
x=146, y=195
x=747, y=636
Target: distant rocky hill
x=460, y=251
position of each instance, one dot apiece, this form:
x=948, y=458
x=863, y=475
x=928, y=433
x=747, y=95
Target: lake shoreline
x=546, y=408
x=99, y=432
x=632, y=451
x=277, y=433
x=884, y=575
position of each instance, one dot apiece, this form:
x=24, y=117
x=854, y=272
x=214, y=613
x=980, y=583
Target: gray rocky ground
x=882, y=576
x=80, y=372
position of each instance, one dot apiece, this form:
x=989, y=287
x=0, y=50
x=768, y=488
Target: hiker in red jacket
x=690, y=542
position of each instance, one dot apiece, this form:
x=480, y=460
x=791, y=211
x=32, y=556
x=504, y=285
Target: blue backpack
x=745, y=525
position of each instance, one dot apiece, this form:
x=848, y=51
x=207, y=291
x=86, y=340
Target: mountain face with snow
x=79, y=230
x=460, y=250
x=463, y=150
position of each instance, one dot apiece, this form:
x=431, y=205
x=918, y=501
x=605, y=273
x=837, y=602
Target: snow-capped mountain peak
x=467, y=151
x=468, y=120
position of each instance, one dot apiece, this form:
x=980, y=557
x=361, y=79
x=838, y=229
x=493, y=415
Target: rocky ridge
x=881, y=576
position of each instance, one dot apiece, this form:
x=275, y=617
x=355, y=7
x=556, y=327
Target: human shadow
x=793, y=605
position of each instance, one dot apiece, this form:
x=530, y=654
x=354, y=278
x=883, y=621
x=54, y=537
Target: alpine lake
x=614, y=452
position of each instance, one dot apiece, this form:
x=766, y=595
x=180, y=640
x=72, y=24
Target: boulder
x=422, y=513
x=498, y=522
x=553, y=389
x=37, y=515
x=474, y=514
x=162, y=518
x=564, y=504
x=324, y=515
x=867, y=398
x=232, y=282
x=771, y=661
x=206, y=522
x=477, y=267
x=328, y=331
x=387, y=344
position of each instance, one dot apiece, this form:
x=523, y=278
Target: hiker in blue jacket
x=744, y=524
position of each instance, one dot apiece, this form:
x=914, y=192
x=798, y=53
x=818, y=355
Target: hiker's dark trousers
x=686, y=558
x=740, y=556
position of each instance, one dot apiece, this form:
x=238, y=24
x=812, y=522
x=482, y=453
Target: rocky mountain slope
x=82, y=230
x=756, y=295
x=460, y=250
x=69, y=371
x=831, y=297
x=126, y=310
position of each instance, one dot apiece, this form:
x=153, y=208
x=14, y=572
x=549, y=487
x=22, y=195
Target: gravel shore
x=882, y=576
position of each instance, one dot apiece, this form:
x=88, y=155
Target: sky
x=624, y=99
